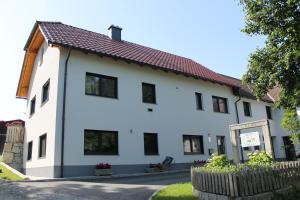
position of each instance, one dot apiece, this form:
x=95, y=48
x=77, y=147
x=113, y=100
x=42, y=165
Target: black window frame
x=29, y=150
x=199, y=101
x=218, y=104
x=190, y=137
x=99, y=132
x=46, y=85
x=153, y=87
x=42, y=149
x=155, y=145
x=224, y=143
x=101, y=76
x=269, y=112
x=247, y=108
x=32, y=105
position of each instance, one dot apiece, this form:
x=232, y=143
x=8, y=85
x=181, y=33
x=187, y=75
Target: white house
x=94, y=98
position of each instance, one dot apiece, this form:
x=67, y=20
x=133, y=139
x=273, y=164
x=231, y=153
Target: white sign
x=250, y=139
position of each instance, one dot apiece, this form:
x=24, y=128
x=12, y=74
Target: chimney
x=114, y=32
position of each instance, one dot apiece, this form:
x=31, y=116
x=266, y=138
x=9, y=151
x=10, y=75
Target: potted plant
x=103, y=169
x=154, y=168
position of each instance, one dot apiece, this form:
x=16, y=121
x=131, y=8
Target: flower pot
x=103, y=172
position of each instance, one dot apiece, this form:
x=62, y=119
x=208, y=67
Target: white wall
x=174, y=114
x=44, y=119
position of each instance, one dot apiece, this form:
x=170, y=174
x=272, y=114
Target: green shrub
x=260, y=159
x=217, y=161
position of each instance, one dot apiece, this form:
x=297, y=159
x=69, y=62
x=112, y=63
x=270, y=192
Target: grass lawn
x=8, y=175
x=179, y=191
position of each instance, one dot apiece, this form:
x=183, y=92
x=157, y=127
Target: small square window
x=269, y=112
x=29, y=150
x=45, y=91
x=149, y=95
x=220, y=104
x=32, y=105
x=42, y=146
x=150, y=144
x=247, y=109
x=193, y=144
x=199, y=101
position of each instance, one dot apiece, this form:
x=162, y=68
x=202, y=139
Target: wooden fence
x=249, y=182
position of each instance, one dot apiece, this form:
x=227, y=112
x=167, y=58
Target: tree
x=278, y=62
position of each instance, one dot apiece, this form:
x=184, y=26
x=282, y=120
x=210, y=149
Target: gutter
x=64, y=115
x=238, y=119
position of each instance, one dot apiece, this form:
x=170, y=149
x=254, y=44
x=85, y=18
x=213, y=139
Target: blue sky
x=205, y=31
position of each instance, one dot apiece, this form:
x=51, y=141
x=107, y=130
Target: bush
x=260, y=159
x=218, y=161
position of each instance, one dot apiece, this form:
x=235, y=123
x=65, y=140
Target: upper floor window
x=150, y=144
x=149, y=95
x=45, y=91
x=247, y=108
x=193, y=144
x=199, y=101
x=220, y=104
x=98, y=142
x=100, y=85
x=42, y=146
x=32, y=105
x=269, y=112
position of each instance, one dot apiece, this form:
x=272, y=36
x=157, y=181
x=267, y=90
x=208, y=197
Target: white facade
x=173, y=115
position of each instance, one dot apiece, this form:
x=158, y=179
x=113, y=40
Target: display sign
x=250, y=139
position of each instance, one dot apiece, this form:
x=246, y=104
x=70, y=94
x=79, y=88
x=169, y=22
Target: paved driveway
x=137, y=188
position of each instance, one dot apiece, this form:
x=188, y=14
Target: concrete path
x=137, y=188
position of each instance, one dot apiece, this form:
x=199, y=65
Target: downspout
x=64, y=116
x=238, y=119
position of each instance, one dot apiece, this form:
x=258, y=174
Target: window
x=269, y=112
x=29, y=151
x=45, y=91
x=199, y=101
x=148, y=93
x=32, y=106
x=100, y=85
x=220, y=104
x=221, y=144
x=42, y=146
x=150, y=144
x=100, y=142
x=247, y=109
x=193, y=144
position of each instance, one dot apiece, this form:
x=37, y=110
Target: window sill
x=193, y=153
x=101, y=154
x=222, y=112
x=93, y=95
x=44, y=102
x=150, y=103
x=151, y=154
x=41, y=158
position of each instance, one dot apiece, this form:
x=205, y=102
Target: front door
x=289, y=148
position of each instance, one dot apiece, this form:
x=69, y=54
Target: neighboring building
x=93, y=98
x=3, y=128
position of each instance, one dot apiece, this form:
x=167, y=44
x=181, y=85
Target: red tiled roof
x=68, y=36
x=245, y=91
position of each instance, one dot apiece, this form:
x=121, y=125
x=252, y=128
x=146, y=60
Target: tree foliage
x=278, y=62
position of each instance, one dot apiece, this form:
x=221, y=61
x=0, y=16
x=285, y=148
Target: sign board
x=250, y=139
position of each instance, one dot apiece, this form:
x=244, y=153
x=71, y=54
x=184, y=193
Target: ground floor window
x=97, y=142
x=150, y=144
x=221, y=144
x=193, y=144
x=42, y=146
x=29, y=150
